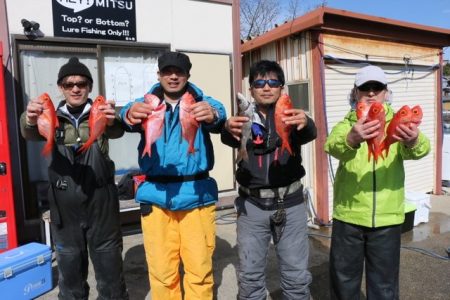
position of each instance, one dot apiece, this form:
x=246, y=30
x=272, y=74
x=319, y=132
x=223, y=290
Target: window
x=119, y=73
x=128, y=73
x=299, y=93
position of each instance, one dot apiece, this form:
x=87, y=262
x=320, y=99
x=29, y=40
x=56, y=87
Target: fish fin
x=242, y=155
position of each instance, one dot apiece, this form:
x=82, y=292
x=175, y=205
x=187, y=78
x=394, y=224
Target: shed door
x=415, y=85
x=211, y=72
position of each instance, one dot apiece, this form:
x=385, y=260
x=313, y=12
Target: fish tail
x=375, y=158
x=191, y=149
x=385, y=146
x=48, y=147
x=147, y=150
x=381, y=152
x=86, y=145
x=286, y=146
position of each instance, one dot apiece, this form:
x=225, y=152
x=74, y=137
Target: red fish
x=376, y=112
x=402, y=116
x=362, y=108
x=417, y=115
x=189, y=125
x=47, y=122
x=97, y=123
x=283, y=130
x=153, y=124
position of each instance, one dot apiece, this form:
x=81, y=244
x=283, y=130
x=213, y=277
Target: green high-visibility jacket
x=367, y=193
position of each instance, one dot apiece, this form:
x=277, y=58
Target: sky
x=432, y=12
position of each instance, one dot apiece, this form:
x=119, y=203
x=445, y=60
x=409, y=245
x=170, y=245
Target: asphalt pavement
x=424, y=270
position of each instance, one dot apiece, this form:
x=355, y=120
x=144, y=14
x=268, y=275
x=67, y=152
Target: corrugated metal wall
x=410, y=85
x=293, y=55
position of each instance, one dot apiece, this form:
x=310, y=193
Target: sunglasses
x=79, y=84
x=260, y=83
x=375, y=86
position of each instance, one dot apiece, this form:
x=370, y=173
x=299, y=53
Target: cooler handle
x=8, y=272
x=14, y=256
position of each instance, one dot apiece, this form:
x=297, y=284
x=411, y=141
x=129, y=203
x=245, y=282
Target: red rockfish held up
x=283, y=130
x=189, y=125
x=362, y=108
x=402, y=116
x=47, y=122
x=97, y=123
x=376, y=112
x=154, y=123
x=416, y=115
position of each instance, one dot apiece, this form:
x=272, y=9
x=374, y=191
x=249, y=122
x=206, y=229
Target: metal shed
x=320, y=53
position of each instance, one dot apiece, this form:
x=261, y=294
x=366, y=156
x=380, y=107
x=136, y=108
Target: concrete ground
x=422, y=276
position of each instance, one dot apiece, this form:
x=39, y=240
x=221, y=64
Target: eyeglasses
x=372, y=86
x=79, y=84
x=260, y=83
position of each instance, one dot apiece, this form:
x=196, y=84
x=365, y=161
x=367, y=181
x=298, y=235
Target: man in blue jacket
x=178, y=196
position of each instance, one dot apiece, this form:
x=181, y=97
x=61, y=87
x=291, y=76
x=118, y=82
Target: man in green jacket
x=369, y=196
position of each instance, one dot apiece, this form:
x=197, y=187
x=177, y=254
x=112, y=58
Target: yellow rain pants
x=174, y=237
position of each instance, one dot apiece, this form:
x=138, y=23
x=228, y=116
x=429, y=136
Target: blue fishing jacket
x=170, y=157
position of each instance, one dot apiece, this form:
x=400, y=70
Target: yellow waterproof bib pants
x=172, y=237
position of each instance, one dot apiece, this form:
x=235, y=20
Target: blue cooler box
x=25, y=272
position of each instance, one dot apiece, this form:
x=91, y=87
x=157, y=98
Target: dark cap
x=175, y=59
x=73, y=67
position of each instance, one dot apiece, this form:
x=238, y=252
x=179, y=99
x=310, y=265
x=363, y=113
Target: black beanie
x=74, y=67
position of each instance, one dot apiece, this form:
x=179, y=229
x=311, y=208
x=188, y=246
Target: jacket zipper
x=374, y=175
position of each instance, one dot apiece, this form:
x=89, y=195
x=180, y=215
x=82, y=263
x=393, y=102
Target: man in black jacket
x=270, y=202
x=84, y=205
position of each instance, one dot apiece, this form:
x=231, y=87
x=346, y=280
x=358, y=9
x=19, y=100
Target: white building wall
x=184, y=24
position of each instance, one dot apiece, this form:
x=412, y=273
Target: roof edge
x=376, y=19
x=310, y=20
x=317, y=18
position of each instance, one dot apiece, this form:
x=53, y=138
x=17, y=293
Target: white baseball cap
x=370, y=73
